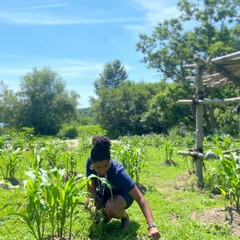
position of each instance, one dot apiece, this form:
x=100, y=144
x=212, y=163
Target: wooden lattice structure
x=223, y=70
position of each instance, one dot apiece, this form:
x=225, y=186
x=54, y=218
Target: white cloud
x=39, y=19
x=154, y=11
x=71, y=68
x=13, y=71
x=35, y=7
x=78, y=75
x=30, y=16
x=67, y=68
x=158, y=10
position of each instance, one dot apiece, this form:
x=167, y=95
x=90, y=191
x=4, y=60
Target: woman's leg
x=115, y=208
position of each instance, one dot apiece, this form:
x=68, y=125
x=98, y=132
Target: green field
x=171, y=191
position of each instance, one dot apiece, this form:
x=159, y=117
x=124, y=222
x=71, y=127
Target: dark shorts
x=104, y=198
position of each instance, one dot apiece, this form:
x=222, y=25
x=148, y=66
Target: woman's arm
x=92, y=190
x=93, y=194
x=146, y=210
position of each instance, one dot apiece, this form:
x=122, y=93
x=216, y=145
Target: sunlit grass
x=173, y=201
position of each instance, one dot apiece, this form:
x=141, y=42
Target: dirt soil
x=228, y=216
x=222, y=217
x=72, y=143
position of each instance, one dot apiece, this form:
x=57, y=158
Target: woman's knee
x=115, y=204
x=110, y=206
x=115, y=211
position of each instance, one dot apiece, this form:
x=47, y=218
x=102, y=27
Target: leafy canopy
x=45, y=102
x=114, y=73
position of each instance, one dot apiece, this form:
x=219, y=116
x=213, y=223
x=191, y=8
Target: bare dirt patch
x=228, y=217
x=185, y=181
x=72, y=143
x=223, y=217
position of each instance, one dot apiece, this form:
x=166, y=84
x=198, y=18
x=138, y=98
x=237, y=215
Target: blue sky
x=76, y=38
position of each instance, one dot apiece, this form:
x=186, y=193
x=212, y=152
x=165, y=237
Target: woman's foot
x=106, y=218
x=125, y=222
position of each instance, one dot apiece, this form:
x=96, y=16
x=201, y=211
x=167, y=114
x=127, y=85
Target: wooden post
x=226, y=68
x=238, y=110
x=199, y=121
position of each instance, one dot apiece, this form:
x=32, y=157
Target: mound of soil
x=228, y=216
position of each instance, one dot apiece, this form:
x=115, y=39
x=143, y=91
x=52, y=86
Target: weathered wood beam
x=190, y=65
x=217, y=101
x=209, y=101
x=215, y=77
x=219, y=83
x=225, y=73
x=232, y=66
x=199, y=155
x=208, y=155
x=207, y=80
x=215, y=80
x=183, y=102
x=237, y=150
x=227, y=57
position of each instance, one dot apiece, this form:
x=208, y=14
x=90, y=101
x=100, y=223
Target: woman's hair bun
x=101, y=148
x=101, y=141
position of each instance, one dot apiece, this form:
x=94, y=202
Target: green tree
x=114, y=73
x=120, y=110
x=171, y=46
x=163, y=113
x=45, y=104
x=206, y=28
x=9, y=105
x=85, y=117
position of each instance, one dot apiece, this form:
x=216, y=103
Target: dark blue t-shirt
x=117, y=176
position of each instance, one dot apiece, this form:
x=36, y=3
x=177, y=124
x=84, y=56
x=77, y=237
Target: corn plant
x=61, y=200
x=216, y=142
x=9, y=161
x=132, y=157
x=69, y=161
x=229, y=178
x=168, y=148
x=35, y=215
x=84, y=146
x=51, y=153
x=96, y=215
x=2, y=140
x=51, y=201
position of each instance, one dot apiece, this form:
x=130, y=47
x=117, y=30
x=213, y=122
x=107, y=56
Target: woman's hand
x=153, y=233
x=97, y=205
x=88, y=204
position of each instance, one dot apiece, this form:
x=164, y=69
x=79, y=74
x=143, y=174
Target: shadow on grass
x=113, y=230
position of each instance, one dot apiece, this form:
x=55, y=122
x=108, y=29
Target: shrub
x=68, y=132
x=91, y=130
